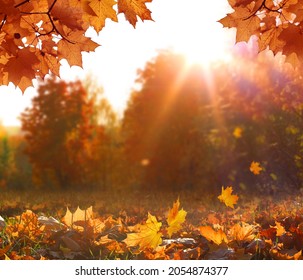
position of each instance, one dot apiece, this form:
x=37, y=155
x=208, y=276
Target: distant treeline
x=185, y=127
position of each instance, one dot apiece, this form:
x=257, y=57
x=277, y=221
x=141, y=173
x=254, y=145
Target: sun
x=204, y=51
x=197, y=33
x=205, y=44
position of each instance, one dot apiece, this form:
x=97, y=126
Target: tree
x=36, y=34
x=57, y=130
x=277, y=25
x=164, y=142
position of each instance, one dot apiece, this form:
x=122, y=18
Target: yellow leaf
x=228, y=198
x=148, y=236
x=78, y=217
x=255, y=168
x=103, y=10
x=175, y=218
x=211, y=235
x=280, y=229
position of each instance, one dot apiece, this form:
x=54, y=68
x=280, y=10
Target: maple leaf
x=255, y=168
x=242, y=232
x=228, y=198
x=270, y=38
x=148, y=236
x=134, y=8
x=103, y=10
x=73, y=44
x=291, y=36
x=79, y=217
x=211, y=235
x=20, y=68
x=175, y=218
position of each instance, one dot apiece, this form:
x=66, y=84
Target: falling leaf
x=215, y=236
x=175, y=218
x=238, y=132
x=228, y=198
x=148, y=236
x=255, y=168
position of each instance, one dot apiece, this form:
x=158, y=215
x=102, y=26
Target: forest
x=78, y=181
x=205, y=162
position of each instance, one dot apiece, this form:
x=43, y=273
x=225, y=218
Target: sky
x=189, y=27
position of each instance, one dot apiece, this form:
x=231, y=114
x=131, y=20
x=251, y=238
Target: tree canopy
x=35, y=35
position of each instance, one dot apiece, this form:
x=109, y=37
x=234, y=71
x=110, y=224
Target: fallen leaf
x=175, y=218
x=211, y=235
x=78, y=218
x=148, y=236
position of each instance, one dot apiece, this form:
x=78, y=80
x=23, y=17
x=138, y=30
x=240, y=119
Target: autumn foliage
x=36, y=35
x=276, y=24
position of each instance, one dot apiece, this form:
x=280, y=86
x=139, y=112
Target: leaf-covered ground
x=186, y=225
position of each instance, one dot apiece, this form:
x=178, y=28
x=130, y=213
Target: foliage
x=277, y=25
x=57, y=130
x=257, y=229
x=36, y=35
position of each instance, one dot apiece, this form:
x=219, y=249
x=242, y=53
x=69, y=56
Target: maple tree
x=35, y=35
x=276, y=24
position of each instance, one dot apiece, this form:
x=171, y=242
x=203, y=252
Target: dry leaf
x=148, y=236
x=175, y=218
x=78, y=218
x=211, y=235
x=243, y=232
x=228, y=198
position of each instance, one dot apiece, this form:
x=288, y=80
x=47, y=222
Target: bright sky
x=186, y=26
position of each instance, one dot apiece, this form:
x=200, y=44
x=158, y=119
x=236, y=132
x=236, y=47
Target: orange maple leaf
x=73, y=44
x=228, y=198
x=175, y=218
x=243, y=232
x=215, y=236
x=103, y=10
x=134, y=8
x=255, y=168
